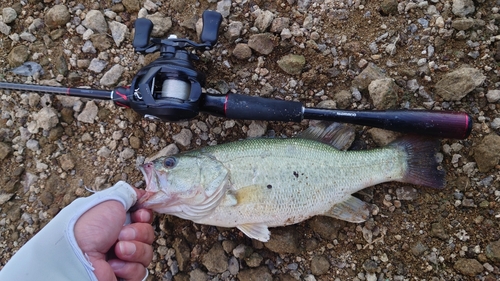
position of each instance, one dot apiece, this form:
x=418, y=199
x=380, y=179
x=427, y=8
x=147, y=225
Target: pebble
x=319, y=265
x=118, y=32
x=57, y=16
x=95, y=20
x=215, y=260
x=262, y=43
x=46, y=118
x=9, y=15
x=89, y=113
x=183, y=138
x=97, y=65
x=292, y=64
x=111, y=77
x=469, y=267
x=469, y=78
x=492, y=251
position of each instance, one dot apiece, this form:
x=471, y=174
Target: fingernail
x=127, y=233
x=116, y=264
x=145, y=216
x=126, y=248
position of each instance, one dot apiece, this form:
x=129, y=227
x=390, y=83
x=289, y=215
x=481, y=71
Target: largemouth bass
x=255, y=184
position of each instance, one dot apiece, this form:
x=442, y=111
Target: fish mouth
x=154, y=196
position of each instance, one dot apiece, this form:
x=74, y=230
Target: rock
x=257, y=274
x=257, y=129
x=170, y=149
x=319, y=265
x=382, y=137
x=493, y=251
x=198, y=275
x=89, y=113
x=242, y=251
x=242, y=51
x=5, y=150
x=132, y=6
x=101, y=41
x=462, y=8
x=135, y=142
x=469, y=267
x=418, y=249
x=127, y=153
x=438, y=231
x=493, y=96
x=254, y=260
x=33, y=145
x=182, y=253
x=224, y=8
x=66, y=161
x=406, y=193
x=369, y=74
x=389, y=7
x=283, y=240
x=95, y=20
x=262, y=43
x=46, y=118
x=184, y=137
x=111, y=77
x=234, y=30
x=18, y=55
x=233, y=266
x=328, y=228
x=118, y=32
x=4, y=197
x=104, y=152
x=487, y=153
x=215, y=260
x=9, y=15
x=161, y=24
x=457, y=84
x=57, y=16
x=279, y=24
x=264, y=20
x=463, y=24
x=4, y=28
x=292, y=64
x=343, y=99
x=383, y=93
x=97, y=65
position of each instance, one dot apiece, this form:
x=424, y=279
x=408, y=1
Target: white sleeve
x=53, y=253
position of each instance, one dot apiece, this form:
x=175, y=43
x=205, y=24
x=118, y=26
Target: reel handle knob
x=211, y=24
x=143, y=28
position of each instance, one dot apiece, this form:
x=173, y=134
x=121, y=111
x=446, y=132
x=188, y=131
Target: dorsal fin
x=338, y=135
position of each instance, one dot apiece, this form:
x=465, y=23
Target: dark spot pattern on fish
x=269, y=186
x=295, y=174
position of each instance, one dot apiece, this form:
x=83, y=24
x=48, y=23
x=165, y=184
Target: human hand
x=113, y=249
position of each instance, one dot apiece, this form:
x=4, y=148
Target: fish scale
x=255, y=184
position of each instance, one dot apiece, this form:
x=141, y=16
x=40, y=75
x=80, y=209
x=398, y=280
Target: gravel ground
x=328, y=53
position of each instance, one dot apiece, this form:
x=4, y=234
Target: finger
x=142, y=232
x=134, y=251
x=139, y=192
x=130, y=271
x=142, y=215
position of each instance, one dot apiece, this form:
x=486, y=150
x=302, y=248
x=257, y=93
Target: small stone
x=242, y=251
x=111, y=77
x=279, y=24
x=369, y=74
x=492, y=251
x=462, y=8
x=170, y=149
x=319, y=265
x=283, y=240
x=118, y=32
x=292, y=64
x=224, y=7
x=493, y=96
x=262, y=43
x=438, y=230
x=127, y=153
x=198, y=275
x=254, y=260
x=132, y=6
x=57, y=16
x=89, y=113
x=182, y=253
x=95, y=20
x=406, y=193
x=104, y=152
x=33, y=145
x=457, y=84
x=46, y=118
x=469, y=267
x=487, y=153
x=242, y=51
x=18, y=55
x=257, y=129
x=66, y=161
x=183, y=138
x=9, y=15
x=418, y=249
x=161, y=24
x=97, y=65
x=5, y=150
x=215, y=260
x=233, y=266
x=4, y=28
x=234, y=30
x=383, y=93
x=264, y=20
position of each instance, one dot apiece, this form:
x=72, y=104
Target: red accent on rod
x=67, y=91
x=124, y=97
x=225, y=105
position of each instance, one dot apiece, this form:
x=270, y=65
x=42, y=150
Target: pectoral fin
x=258, y=231
x=352, y=210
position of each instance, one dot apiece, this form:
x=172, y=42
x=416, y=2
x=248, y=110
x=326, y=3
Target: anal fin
x=258, y=231
x=352, y=210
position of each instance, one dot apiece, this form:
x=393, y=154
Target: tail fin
x=423, y=168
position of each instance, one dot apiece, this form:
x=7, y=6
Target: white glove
x=53, y=253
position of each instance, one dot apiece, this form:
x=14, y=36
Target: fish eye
x=170, y=162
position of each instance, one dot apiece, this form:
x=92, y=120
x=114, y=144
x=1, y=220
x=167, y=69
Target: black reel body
x=170, y=87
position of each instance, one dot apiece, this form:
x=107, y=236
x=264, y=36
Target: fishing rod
x=170, y=89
